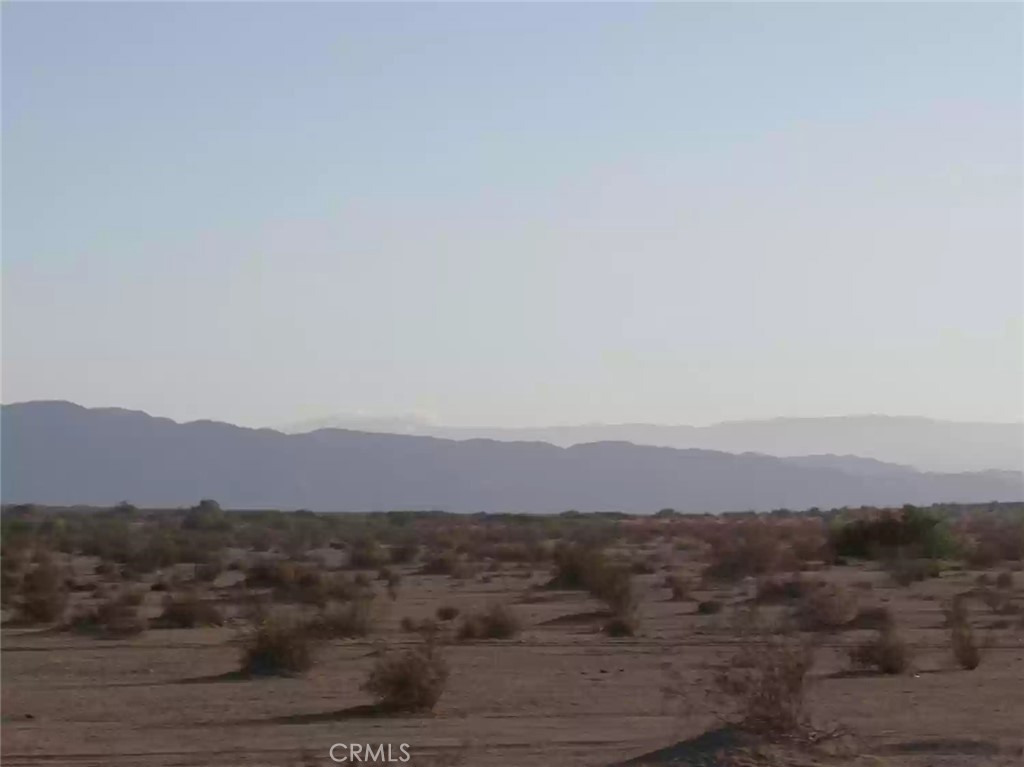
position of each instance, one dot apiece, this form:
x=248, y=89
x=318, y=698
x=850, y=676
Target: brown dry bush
x=765, y=683
x=965, y=648
x=337, y=621
x=875, y=617
x=905, y=571
x=113, y=619
x=774, y=589
x=368, y=555
x=446, y=563
x=189, y=610
x=279, y=645
x=748, y=548
x=427, y=627
x=447, y=613
x=577, y=566
x=680, y=586
x=827, y=607
x=622, y=625
x=887, y=652
x=1000, y=602
x=10, y=584
x=709, y=607
x=404, y=553
x=269, y=573
x=498, y=621
x=410, y=680
x=44, y=593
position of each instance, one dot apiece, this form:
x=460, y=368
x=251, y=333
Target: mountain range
x=925, y=444
x=63, y=454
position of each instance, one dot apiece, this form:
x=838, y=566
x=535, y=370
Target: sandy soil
x=562, y=694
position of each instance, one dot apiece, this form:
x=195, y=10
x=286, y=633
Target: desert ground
x=583, y=674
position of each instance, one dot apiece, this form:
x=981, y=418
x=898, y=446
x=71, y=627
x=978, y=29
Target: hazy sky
x=513, y=215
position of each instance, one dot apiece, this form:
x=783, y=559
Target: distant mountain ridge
x=925, y=444
x=63, y=454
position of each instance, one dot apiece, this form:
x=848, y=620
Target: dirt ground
x=562, y=694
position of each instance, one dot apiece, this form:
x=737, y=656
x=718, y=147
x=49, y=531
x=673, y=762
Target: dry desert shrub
x=580, y=566
x=447, y=613
x=774, y=589
x=875, y=617
x=280, y=645
x=189, y=610
x=622, y=625
x=965, y=648
x=113, y=619
x=680, y=586
x=1000, y=602
x=905, y=571
x=410, y=680
x=10, y=582
x=404, y=553
x=709, y=607
x=576, y=566
x=44, y=592
x=368, y=555
x=887, y=652
x=271, y=573
x=343, y=621
x=445, y=563
x=748, y=548
x=614, y=586
x=827, y=607
x=764, y=685
x=498, y=621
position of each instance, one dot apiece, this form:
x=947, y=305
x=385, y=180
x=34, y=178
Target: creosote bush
x=409, y=681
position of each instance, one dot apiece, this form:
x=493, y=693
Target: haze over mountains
x=61, y=453
x=925, y=444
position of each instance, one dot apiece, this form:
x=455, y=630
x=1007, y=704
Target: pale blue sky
x=513, y=215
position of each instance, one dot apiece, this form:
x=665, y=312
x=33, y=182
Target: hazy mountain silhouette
x=60, y=453
x=923, y=443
